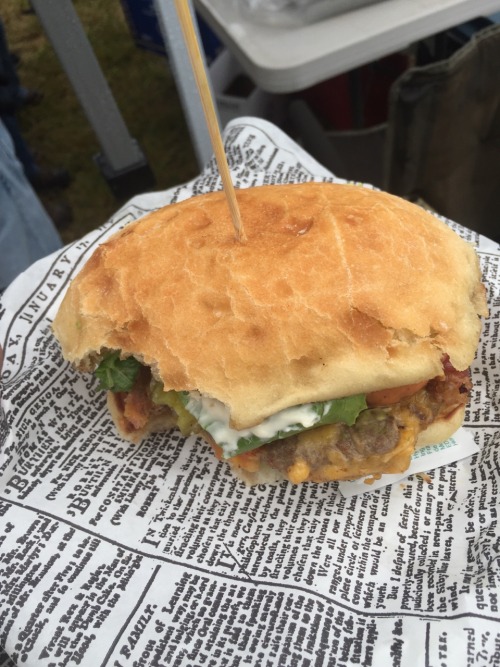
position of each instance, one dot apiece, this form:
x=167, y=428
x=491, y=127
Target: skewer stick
x=197, y=63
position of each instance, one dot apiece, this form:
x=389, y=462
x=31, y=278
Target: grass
x=57, y=129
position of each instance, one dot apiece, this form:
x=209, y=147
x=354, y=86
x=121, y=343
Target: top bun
x=338, y=290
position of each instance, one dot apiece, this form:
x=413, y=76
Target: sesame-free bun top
x=338, y=290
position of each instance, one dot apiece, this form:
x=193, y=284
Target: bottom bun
x=394, y=461
x=442, y=429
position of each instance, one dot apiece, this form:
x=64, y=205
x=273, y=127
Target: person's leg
x=7, y=64
x=40, y=178
x=26, y=231
x=24, y=154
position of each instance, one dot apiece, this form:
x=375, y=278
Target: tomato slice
x=377, y=399
x=249, y=461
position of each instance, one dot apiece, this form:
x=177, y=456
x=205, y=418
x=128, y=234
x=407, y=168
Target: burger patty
x=334, y=451
x=382, y=439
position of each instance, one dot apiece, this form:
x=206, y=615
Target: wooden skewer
x=197, y=63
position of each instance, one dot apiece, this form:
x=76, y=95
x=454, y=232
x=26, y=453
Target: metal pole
x=180, y=65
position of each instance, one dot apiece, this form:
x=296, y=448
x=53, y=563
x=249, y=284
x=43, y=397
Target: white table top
x=282, y=60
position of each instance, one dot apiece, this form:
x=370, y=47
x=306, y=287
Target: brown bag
x=443, y=143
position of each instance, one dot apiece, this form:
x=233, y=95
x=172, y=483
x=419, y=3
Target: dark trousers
x=10, y=102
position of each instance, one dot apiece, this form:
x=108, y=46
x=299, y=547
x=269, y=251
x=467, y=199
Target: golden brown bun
x=338, y=290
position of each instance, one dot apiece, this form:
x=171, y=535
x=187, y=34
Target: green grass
x=57, y=129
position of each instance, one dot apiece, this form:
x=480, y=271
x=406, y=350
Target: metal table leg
x=122, y=162
x=184, y=78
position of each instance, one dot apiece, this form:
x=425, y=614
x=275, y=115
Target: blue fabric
x=26, y=231
x=23, y=153
x=11, y=94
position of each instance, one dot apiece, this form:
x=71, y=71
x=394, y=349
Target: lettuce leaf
x=117, y=374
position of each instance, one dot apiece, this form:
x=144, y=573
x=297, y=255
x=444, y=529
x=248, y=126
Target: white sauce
x=214, y=417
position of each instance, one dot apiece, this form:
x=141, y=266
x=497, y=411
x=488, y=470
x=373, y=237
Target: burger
x=328, y=345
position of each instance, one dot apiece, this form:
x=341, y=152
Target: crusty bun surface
x=338, y=290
